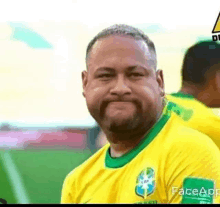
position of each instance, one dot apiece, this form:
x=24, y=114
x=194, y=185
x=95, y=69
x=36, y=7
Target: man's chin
x=121, y=126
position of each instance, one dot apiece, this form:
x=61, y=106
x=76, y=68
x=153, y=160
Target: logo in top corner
x=216, y=29
x=145, y=184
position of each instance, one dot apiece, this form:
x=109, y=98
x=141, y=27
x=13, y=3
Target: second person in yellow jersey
x=200, y=89
x=151, y=156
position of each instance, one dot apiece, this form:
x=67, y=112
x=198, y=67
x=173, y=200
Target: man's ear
x=218, y=80
x=84, y=81
x=160, y=81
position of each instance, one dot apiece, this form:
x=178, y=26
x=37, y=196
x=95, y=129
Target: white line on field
x=15, y=179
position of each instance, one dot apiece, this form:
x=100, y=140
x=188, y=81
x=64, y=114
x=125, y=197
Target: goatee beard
x=124, y=127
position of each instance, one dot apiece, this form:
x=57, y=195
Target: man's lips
x=115, y=103
x=120, y=104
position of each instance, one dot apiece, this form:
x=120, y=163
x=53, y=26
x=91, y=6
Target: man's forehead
x=115, y=41
x=120, y=50
x=129, y=68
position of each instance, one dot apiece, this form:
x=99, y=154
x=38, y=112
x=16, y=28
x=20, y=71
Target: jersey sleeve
x=213, y=127
x=193, y=170
x=197, y=116
x=68, y=189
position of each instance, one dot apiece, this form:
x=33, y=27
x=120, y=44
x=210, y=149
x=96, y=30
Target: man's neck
x=204, y=96
x=190, y=91
x=121, y=143
x=120, y=146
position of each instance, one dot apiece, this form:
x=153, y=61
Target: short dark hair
x=123, y=29
x=199, y=61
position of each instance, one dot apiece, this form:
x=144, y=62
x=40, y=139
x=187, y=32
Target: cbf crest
x=145, y=184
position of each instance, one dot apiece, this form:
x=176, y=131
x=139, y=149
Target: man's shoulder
x=186, y=104
x=187, y=101
x=96, y=159
x=182, y=136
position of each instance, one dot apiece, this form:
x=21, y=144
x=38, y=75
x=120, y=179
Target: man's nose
x=120, y=87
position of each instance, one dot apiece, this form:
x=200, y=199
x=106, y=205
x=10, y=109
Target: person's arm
x=193, y=171
x=68, y=190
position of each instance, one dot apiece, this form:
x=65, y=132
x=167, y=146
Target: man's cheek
x=93, y=101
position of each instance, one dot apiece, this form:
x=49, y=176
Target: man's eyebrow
x=129, y=69
x=105, y=69
x=132, y=68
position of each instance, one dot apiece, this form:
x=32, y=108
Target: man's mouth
x=120, y=104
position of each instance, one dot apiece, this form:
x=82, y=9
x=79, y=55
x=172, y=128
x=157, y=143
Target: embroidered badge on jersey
x=145, y=184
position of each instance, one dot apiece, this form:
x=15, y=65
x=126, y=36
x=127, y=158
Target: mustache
x=106, y=101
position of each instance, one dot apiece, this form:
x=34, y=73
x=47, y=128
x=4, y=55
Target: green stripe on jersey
x=117, y=162
x=184, y=113
x=182, y=95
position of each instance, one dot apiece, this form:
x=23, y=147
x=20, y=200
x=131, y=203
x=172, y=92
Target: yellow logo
x=217, y=25
x=216, y=29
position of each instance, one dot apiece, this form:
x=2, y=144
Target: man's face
x=122, y=89
x=212, y=86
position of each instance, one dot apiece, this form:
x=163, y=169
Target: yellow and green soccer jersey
x=169, y=165
x=196, y=115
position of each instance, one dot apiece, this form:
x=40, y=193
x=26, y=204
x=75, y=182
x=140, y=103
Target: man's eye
x=104, y=76
x=136, y=74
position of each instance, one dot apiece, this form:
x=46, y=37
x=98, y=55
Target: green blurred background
x=41, y=172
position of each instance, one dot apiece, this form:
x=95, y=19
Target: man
x=200, y=89
x=152, y=157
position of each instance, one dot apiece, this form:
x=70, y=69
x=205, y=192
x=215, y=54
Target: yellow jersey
x=169, y=165
x=196, y=115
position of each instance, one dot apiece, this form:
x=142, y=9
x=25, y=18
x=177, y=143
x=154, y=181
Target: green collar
x=182, y=95
x=118, y=162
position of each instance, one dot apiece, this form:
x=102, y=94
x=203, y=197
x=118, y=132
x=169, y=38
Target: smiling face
x=122, y=89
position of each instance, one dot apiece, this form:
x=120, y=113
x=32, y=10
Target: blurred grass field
x=41, y=172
